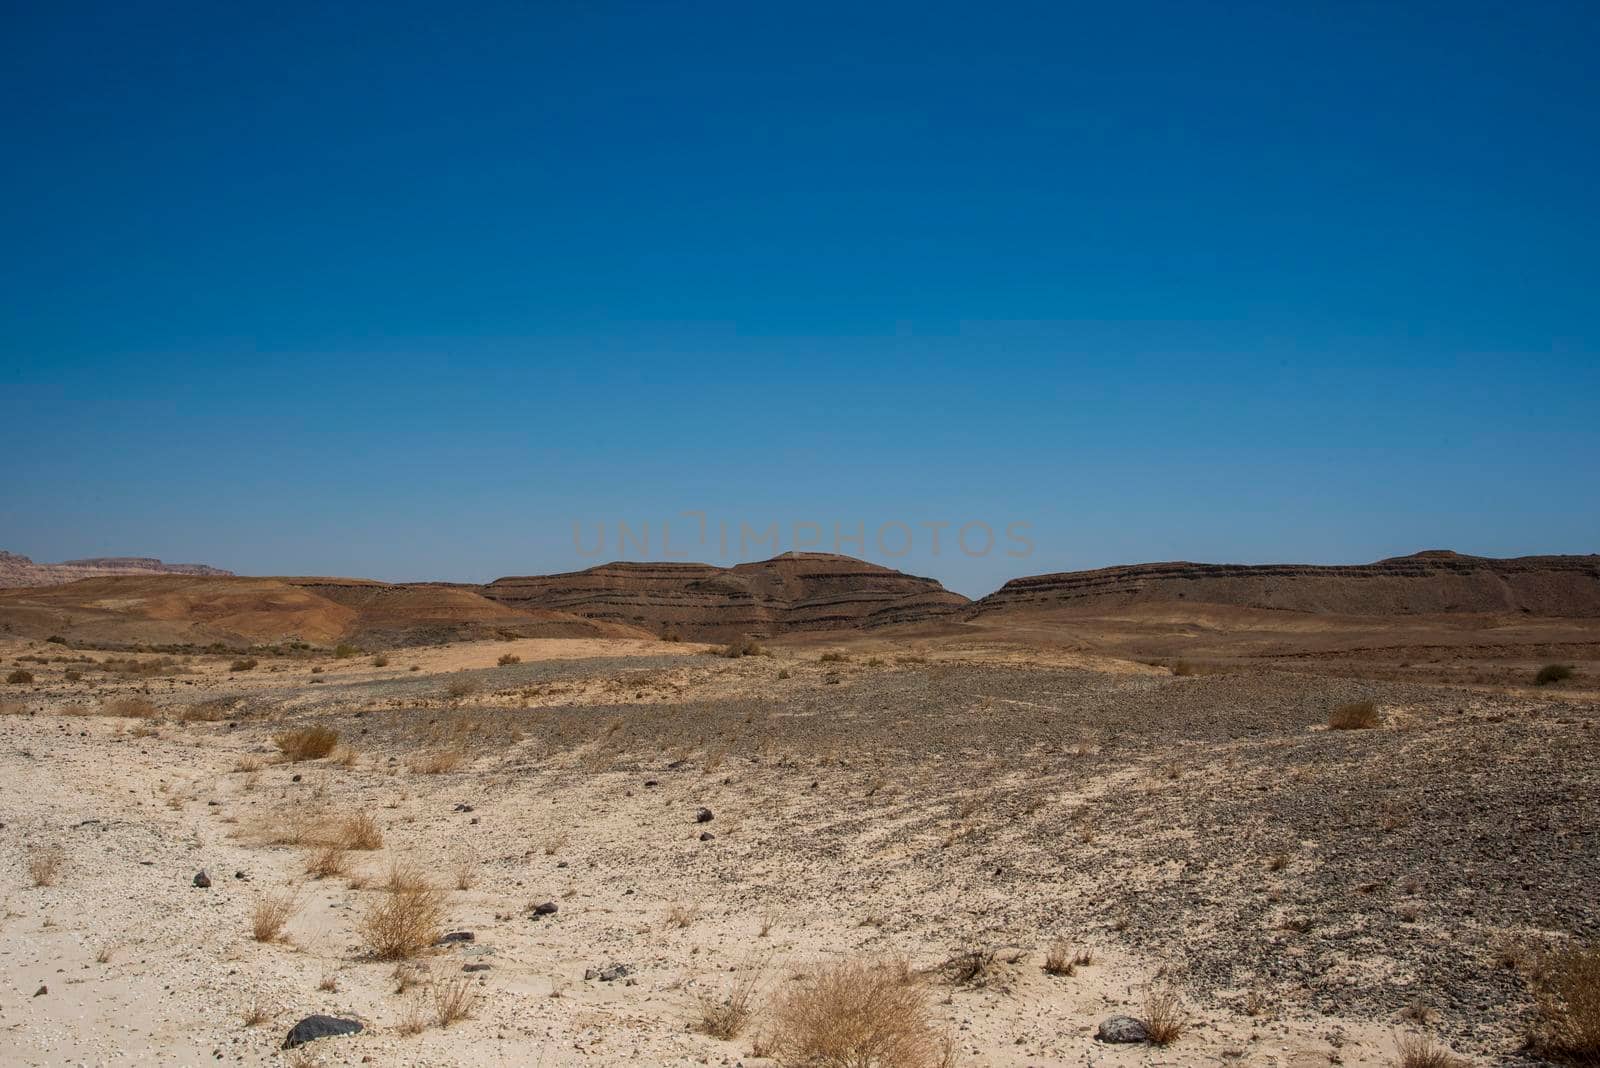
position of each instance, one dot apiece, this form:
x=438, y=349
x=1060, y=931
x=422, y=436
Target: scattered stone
x=314, y=1027
x=42, y=990
x=703, y=815
x=294, y=778
x=549, y=908
x=610, y=973
x=201, y=879
x=463, y=807
x=240, y=875
x=457, y=936
x=1121, y=1029
x=706, y=836
x=652, y=782
x=475, y=967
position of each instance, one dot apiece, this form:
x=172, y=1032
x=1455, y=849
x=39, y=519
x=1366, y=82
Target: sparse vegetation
x=833, y=658
x=271, y=914
x=507, y=659
x=724, y=1015
x=44, y=864
x=1415, y=1051
x=1552, y=673
x=360, y=831
x=403, y=922
x=856, y=1014
x=380, y=661
x=19, y=677
x=345, y=652
x=1063, y=960
x=1568, y=986
x=130, y=708
x=436, y=761
x=1355, y=716
x=742, y=647
x=453, y=1001
x=327, y=861
x=681, y=916
x=249, y=663
x=307, y=743
x=1164, y=1017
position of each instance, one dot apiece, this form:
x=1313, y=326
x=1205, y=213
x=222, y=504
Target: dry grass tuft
x=1164, y=1017
x=256, y=1013
x=978, y=966
x=507, y=659
x=1552, y=673
x=1355, y=716
x=271, y=914
x=20, y=677
x=130, y=708
x=407, y=975
x=1062, y=959
x=360, y=831
x=436, y=761
x=307, y=743
x=403, y=922
x=681, y=916
x=454, y=1001
x=857, y=1013
x=44, y=864
x=1414, y=1051
x=328, y=861
x=1568, y=986
x=724, y=1016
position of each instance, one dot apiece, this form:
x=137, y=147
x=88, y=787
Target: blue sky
x=396, y=291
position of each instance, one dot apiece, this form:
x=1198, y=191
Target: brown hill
x=792, y=592
x=1426, y=583
x=17, y=570
x=200, y=610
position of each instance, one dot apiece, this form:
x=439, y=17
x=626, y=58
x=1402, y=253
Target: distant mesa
x=17, y=570
x=792, y=592
x=1434, y=581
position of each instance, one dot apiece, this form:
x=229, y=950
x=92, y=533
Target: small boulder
x=703, y=815
x=475, y=967
x=457, y=936
x=548, y=908
x=201, y=879
x=41, y=991
x=1122, y=1029
x=314, y=1027
x=706, y=836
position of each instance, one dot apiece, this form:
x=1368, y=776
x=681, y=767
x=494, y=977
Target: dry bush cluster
x=724, y=1015
x=44, y=864
x=507, y=659
x=404, y=921
x=858, y=1013
x=1414, y=1051
x=1164, y=1018
x=1062, y=959
x=307, y=743
x=1568, y=985
x=271, y=914
x=1355, y=716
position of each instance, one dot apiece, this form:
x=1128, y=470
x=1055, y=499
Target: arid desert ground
x=618, y=851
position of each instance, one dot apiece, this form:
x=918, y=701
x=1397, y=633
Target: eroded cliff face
x=1427, y=582
x=795, y=591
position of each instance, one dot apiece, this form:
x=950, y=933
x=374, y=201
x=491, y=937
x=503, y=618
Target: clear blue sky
x=404, y=290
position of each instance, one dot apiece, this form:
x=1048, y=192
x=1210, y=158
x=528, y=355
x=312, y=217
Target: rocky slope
x=795, y=591
x=1427, y=582
x=17, y=570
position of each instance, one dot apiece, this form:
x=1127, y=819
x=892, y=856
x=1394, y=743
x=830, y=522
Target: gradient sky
x=403, y=291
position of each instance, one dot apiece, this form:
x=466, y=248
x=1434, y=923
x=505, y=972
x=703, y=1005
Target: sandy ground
x=912, y=802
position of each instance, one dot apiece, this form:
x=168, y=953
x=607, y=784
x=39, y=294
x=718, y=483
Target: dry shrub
x=360, y=831
x=436, y=761
x=461, y=686
x=1355, y=716
x=380, y=661
x=1552, y=673
x=345, y=757
x=307, y=743
x=724, y=1016
x=741, y=647
x=44, y=864
x=403, y=922
x=256, y=1013
x=247, y=765
x=271, y=914
x=20, y=677
x=681, y=916
x=328, y=861
x=249, y=663
x=407, y=975
x=130, y=708
x=404, y=875
x=1062, y=959
x=465, y=873
x=1569, y=1006
x=453, y=1001
x=415, y=1021
x=1164, y=1017
x=507, y=659
x=1414, y=1051
x=854, y=1014
x=978, y=966
x=1183, y=667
